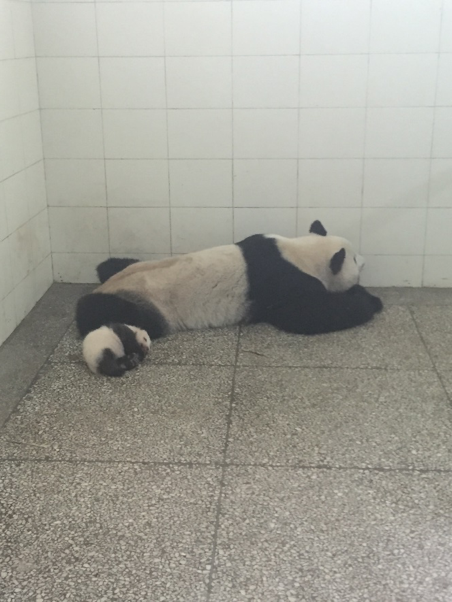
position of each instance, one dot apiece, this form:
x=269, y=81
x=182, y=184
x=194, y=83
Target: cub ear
x=337, y=261
x=317, y=228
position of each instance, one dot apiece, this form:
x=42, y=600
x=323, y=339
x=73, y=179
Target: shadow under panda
x=305, y=285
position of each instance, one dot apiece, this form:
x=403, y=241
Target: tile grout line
x=224, y=465
x=223, y=472
x=435, y=367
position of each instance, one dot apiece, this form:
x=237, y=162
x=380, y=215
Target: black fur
x=323, y=312
x=317, y=228
x=98, y=309
x=282, y=295
x=337, y=261
x=112, y=266
x=110, y=365
x=128, y=339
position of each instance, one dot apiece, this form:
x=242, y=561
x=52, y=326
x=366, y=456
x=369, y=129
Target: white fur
x=209, y=288
x=199, y=290
x=312, y=254
x=103, y=338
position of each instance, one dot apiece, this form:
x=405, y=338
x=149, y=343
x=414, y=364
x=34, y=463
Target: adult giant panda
x=304, y=285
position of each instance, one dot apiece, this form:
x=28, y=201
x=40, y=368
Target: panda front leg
x=129, y=362
x=323, y=312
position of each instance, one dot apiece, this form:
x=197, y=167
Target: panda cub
x=112, y=350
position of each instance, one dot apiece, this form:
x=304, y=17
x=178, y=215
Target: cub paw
x=130, y=361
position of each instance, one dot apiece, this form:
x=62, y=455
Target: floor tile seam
x=223, y=472
x=227, y=465
x=256, y=366
x=36, y=377
x=435, y=367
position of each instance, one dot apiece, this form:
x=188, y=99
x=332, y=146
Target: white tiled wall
x=25, y=261
x=172, y=125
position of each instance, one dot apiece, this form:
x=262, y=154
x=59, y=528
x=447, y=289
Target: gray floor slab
x=340, y=418
x=155, y=413
x=435, y=326
x=27, y=349
x=390, y=341
x=214, y=347
x=103, y=533
x=414, y=296
x=334, y=536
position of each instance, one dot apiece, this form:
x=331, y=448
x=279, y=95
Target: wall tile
x=77, y=267
x=330, y=182
x=6, y=274
x=331, y=27
x=137, y=183
x=400, y=26
x=78, y=229
x=406, y=80
x=396, y=182
x=441, y=183
x=65, y=29
x=199, y=82
x=333, y=81
x=331, y=133
x=75, y=182
x=442, y=134
x=196, y=229
x=437, y=271
x=15, y=195
x=446, y=27
x=139, y=230
x=404, y=133
x=265, y=81
x=22, y=22
x=265, y=183
x=201, y=183
x=444, y=91
x=130, y=29
x=438, y=239
x=198, y=28
x=393, y=231
x=392, y=270
x=69, y=83
x=265, y=133
x=35, y=184
x=133, y=83
x=31, y=136
x=72, y=134
x=249, y=221
x=138, y=134
x=339, y=222
x=200, y=134
x=266, y=28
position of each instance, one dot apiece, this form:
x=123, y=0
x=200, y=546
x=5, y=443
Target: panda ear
x=337, y=261
x=317, y=228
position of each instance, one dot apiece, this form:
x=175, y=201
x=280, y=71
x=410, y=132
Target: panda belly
x=199, y=290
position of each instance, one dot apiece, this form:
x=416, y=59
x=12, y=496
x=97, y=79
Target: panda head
x=332, y=259
x=142, y=338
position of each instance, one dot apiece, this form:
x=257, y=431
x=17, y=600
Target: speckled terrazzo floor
x=233, y=465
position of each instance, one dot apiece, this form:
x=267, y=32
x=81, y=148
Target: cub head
x=333, y=259
x=142, y=338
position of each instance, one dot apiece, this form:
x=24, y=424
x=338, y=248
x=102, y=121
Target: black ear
x=336, y=261
x=317, y=228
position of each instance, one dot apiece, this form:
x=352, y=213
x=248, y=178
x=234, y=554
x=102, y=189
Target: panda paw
x=376, y=302
x=130, y=361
